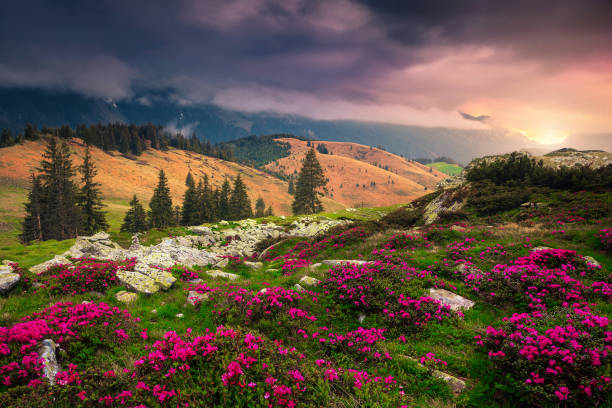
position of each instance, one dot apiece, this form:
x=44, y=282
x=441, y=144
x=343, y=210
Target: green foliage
x=260, y=208
x=93, y=218
x=135, y=219
x=191, y=210
x=258, y=150
x=240, y=205
x=162, y=213
x=486, y=198
x=310, y=181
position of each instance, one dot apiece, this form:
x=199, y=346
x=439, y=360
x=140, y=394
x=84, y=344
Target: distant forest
x=128, y=139
x=258, y=151
x=426, y=160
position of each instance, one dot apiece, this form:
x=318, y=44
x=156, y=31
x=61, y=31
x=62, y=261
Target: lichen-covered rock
x=57, y=260
x=334, y=262
x=447, y=201
x=137, y=281
x=253, y=265
x=309, y=281
x=200, y=230
x=456, y=385
x=194, y=298
x=451, y=299
x=47, y=354
x=220, y=274
x=592, y=261
x=126, y=297
x=298, y=288
x=164, y=279
x=8, y=280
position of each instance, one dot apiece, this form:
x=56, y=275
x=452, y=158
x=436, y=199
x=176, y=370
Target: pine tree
x=135, y=219
x=190, y=213
x=32, y=224
x=162, y=213
x=291, y=189
x=224, y=201
x=240, y=205
x=90, y=199
x=206, y=201
x=260, y=208
x=61, y=218
x=310, y=180
x=269, y=212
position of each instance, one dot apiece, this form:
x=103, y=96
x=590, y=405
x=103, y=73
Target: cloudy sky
x=539, y=67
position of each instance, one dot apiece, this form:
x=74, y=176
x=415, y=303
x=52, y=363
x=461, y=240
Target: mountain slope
x=121, y=177
x=359, y=182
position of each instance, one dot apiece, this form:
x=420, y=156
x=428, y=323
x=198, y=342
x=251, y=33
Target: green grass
x=446, y=168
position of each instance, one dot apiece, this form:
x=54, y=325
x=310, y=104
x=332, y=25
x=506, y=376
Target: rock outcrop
x=451, y=299
x=8, y=279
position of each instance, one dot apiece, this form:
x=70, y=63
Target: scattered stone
x=200, y=230
x=457, y=385
x=272, y=270
x=194, y=298
x=315, y=265
x=57, y=260
x=126, y=297
x=223, y=222
x=298, y=288
x=451, y=299
x=361, y=318
x=334, y=262
x=154, y=311
x=179, y=315
x=220, y=274
x=309, y=281
x=47, y=354
x=196, y=281
x=95, y=294
x=7, y=280
x=457, y=228
x=540, y=248
x=7, y=262
x=135, y=242
x=163, y=278
x=253, y=265
x=592, y=261
x=263, y=290
x=222, y=263
x=137, y=281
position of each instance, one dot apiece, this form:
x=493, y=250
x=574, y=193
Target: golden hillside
x=355, y=178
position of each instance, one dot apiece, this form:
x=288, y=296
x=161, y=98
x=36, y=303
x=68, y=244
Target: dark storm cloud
x=413, y=61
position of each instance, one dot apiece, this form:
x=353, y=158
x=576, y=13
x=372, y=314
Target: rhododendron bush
x=569, y=361
x=85, y=275
x=73, y=327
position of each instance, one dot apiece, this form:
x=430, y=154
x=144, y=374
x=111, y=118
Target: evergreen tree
x=90, y=199
x=32, y=224
x=291, y=189
x=162, y=213
x=310, y=180
x=177, y=215
x=207, y=205
x=224, y=201
x=135, y=219
x=260, y=208
x=240, y=205
x=269, y=212
x=190, y=213
x=61, y=217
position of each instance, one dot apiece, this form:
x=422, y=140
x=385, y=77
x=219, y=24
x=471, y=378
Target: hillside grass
x=451, y=341
x=446, y=168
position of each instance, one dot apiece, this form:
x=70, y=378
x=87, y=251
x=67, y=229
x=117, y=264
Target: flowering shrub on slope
x=67, y=325
x=567, y=362
x=84, y=276
x=605, y=239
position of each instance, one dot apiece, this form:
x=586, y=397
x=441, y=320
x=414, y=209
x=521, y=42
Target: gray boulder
x=451, y=299
x=57, y=260
x=47, y=354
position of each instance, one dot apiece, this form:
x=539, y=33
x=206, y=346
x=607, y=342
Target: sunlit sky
x=540, y=68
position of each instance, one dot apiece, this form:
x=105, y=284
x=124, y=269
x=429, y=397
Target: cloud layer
x=539, y=67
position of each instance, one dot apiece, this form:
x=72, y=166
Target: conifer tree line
x=201, y=203
x=58, y=208
x=133, y=139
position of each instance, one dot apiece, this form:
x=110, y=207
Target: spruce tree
x=310, y=180
x=32, y=224
x=269, y=212
x=291, y=189
x=135, y=219
x=162, y=213
x=90, y=199
x=240, y=205
x=190, y=213
x=224, y=201
x=61, y=217
x=206, y=201
x=260, y=208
